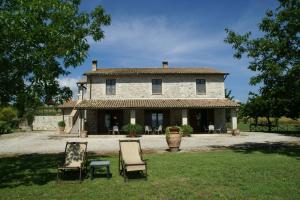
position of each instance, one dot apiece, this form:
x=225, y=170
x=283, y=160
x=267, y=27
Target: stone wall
x=46, y=122
x=141, y=87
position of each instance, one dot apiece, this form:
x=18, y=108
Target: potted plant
x=61, y=126
x=173, y=137
x=235, y=132
x=132, y=129
x=187, y=130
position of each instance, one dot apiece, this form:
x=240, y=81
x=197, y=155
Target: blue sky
x=184, y=32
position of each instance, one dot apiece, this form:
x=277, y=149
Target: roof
x=156, y=103
x=68, y=104
x=154, y=70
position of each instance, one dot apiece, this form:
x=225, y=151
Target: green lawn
x=253, y=173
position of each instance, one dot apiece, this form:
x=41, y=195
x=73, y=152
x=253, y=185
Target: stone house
x=149, y=96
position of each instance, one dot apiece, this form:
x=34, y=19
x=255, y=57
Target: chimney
x=94, y=65
x=165, y=64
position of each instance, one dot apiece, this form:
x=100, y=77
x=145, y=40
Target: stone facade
x=47, y=122
x=136, y=87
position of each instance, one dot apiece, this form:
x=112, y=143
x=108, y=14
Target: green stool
x=100, y=164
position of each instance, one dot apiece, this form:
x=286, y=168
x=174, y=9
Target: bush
x=132, y=128
x=5, y=127
x=167, y=132
x=29, y=115
x=7, y=114
x=61, y=124
x=187, y=130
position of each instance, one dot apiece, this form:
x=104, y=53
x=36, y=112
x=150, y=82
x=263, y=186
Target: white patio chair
x=218, y=130
x=159, y=129
x=115, y=130
x=148, y=130
x=211, y=128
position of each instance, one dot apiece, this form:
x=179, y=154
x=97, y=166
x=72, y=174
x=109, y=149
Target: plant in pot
x=132, y=129
x=235, y=132
x=61, y=126
x=187, y=130
x=173, y=137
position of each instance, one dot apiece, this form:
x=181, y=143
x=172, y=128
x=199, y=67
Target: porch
x=99, y=116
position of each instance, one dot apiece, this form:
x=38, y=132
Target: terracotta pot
x=132, y=134
x=61, y=129
x=174, y=129
x=235, y=132
x=174, y=140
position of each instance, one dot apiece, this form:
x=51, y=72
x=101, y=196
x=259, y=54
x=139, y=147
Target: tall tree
x=40, y=41
x=275, y=57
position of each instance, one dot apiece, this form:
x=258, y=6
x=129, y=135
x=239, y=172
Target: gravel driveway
x=50, y=142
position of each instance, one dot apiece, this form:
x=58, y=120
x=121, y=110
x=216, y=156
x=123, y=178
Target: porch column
x=234, y=118
x=80, y=122
x=184, y=115
x=132, y=117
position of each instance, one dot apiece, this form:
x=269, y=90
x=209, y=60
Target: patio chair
x=130, y=158
x=218, y=130
x=75, y=159
x=148, y=130
x=158, y=130
x=211, y=128
x=205, y=129
x=115, y=130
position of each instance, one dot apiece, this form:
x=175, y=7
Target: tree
x=40, y=41
x=274, y=57
x=228, y=94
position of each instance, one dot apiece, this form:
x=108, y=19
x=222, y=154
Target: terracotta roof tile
x=156, y=103
x=137, y=71
x=68, y=104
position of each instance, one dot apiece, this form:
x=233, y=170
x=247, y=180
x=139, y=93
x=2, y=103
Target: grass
x=257, y=172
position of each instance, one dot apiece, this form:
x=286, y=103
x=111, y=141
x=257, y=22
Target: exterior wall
x=175, y=117
x=140, y=115
x=46, y=122
x=220, y=120
x=135, y=87
x=92, y=121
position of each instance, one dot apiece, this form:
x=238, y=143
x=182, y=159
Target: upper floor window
x=200, y=86
x=110, y=86
x=156, y=86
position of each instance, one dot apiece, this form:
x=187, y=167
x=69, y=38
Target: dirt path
x=48, y=142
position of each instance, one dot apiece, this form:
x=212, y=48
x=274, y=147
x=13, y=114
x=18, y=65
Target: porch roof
x=156, y=103
x=68, y=104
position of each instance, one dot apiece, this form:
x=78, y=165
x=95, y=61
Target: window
x=200, y=86
x=110, y=86
x=156, y=86
x=156, y=120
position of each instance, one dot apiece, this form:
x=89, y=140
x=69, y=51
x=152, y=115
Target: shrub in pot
x=61, y=126
x=132, y=129
x=173, y=137
x=187, y=130
x=5, y=127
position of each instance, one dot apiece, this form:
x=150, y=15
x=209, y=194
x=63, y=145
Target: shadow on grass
x=282, y=148
x=33, y=169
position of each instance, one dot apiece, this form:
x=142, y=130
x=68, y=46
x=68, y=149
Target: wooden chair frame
x=122, y=165
x=61, y=168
